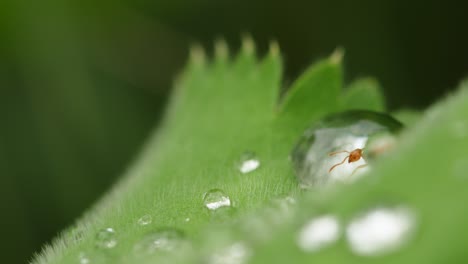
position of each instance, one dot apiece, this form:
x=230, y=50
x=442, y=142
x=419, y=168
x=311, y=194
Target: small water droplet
x=379, y=231
x=215, y=199
x=106, y=238
x=145, y=220
x=248, y=162
x=164, y=240
x=330, y=141
x=187, y=219
x=237, y=253
x=83, y=258
x=318, y=233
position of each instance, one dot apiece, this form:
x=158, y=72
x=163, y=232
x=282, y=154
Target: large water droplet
x=215, y=199
x=318, y=233
x=106, y=238
x=248, y=162
x=380, y=230
x=145, y=220
x=312, y=156
x=237, y=253
x=161, y=241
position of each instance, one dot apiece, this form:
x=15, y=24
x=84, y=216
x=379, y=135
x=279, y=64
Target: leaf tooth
x=337, y=56
x=221, y=49
x=248, y=44
x=274, y=49
x=197, y=55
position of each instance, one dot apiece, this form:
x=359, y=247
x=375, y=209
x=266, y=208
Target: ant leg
x=358, y=167
x=338, y=164
x=337, y=152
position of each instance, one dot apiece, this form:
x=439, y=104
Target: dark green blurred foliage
x=83, y=82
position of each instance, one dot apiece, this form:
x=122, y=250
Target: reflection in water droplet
x=237, y=253
x=161, y=241
x=348, y=131
x=145, y=220
x=248, y=162
x=216, y=198
x=83, y=258
x=318, y=233
x=106, y=238
x=380, y=230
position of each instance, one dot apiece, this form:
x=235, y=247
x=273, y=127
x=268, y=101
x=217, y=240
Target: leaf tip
x=197, y=54
x=221, y=48
x=274, y=49
x=248, y=44
x=337, y=56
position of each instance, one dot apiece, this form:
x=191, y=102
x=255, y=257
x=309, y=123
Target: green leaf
x=220, y=109
x=407, y=116
x=363, y=94
x=425, y=172
x=314, y=93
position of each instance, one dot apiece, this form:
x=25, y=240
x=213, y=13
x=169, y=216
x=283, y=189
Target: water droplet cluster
x=375, y=232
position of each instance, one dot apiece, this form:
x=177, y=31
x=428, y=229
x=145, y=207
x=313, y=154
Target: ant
x=353, y=156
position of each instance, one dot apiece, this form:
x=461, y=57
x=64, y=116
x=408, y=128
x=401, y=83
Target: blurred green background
x=83, y=83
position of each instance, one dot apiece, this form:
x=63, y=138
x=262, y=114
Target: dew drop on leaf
x=248, y=162
x=164, y=240
x=215, y=199
x=380, y=230
x=83, y=258
x=318, y=233
x=106, y=238
x=340, y=134
x=145, y=220
x=237, y=253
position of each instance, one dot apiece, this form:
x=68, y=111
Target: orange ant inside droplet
x=352, y=156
